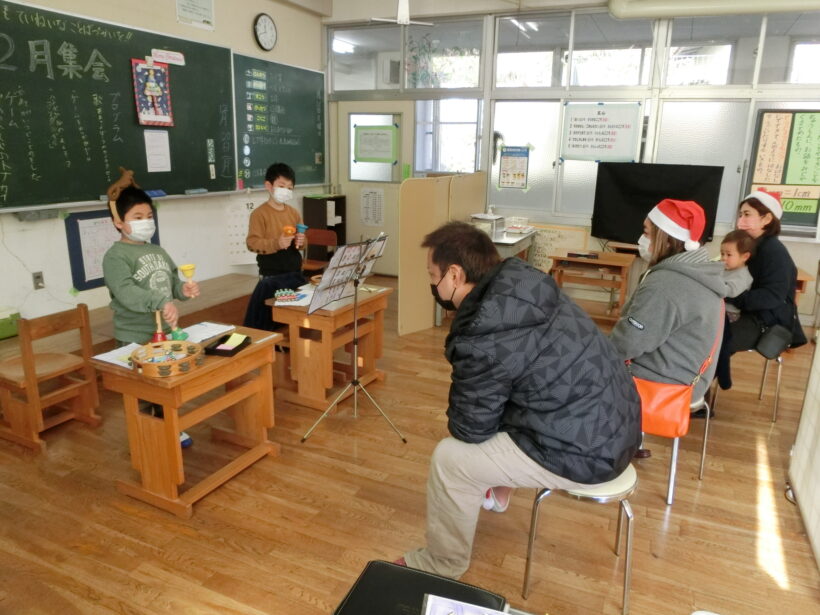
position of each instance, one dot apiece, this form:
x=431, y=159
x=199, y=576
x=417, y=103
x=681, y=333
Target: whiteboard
x=551, y=238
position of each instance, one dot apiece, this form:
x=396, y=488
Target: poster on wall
x=372, y=206
x=376, y=144
x=152, y=93
x=786, y=159
x=513, y=167
x=602, y=132
x=199, y=13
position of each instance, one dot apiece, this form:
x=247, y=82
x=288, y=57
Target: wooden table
x=514, y=244
x=154, y=442
x=609, y=270
x=313, y=338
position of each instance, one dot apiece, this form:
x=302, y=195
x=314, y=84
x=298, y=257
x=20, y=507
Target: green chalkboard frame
x=68, y=117
x=280, y=117
x=801, y=199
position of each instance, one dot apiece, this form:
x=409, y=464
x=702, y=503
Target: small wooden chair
x=318, y=237
x=33, y=383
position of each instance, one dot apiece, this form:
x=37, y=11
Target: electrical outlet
x=37, y=278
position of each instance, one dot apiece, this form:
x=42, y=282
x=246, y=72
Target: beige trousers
x=460, y=474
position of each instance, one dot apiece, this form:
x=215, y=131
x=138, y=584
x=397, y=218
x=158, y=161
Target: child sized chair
x=617, y=490
x=318, y=237
x=33, y=384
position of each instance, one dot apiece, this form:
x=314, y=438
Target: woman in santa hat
x=669, y=326
x=770, y=300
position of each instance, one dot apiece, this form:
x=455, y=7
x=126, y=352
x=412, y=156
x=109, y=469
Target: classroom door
x=389, y=181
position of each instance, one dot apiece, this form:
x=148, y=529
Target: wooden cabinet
x=315, y=215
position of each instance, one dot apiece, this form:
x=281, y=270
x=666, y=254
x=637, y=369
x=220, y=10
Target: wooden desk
x=610, y=270
x=154, y=442
x=314, y=337
x=804, y=278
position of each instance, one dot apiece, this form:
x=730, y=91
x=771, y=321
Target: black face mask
x=446, y=304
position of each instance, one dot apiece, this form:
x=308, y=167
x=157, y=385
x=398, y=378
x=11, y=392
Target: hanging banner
x=603, y=132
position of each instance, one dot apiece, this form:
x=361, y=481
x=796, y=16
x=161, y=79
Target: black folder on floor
x=388, y=589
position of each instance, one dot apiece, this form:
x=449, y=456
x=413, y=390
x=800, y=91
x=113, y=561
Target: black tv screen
x=625, y=192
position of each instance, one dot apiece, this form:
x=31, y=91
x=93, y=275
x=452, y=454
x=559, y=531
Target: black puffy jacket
x=528, y=361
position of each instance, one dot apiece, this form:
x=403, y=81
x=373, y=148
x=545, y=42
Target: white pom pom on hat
x=770, y=200
x=683, y=220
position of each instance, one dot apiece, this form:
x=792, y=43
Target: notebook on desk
x=388, y=589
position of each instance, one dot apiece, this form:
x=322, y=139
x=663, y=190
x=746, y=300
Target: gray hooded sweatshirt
x=671, y=322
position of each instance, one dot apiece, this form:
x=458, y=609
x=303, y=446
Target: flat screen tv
x=626, y=191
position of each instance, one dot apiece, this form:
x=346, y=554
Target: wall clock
x=264, y=30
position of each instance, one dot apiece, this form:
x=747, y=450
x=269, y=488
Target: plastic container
x=8, y=322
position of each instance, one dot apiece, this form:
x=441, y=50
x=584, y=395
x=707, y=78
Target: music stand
x=350, y=264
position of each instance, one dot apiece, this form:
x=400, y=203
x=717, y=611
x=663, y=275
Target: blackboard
x=280, y=117
x=786, y=159
x=68, y=112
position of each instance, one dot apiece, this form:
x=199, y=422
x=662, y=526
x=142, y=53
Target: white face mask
x=644, y=248
x=141, y=230
x=282, y=195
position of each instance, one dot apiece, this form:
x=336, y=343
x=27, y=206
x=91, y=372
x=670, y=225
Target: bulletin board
x=551, y=238
x=786, y=159
x=89, y=234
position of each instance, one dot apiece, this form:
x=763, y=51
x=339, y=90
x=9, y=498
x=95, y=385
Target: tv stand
x=609, y=270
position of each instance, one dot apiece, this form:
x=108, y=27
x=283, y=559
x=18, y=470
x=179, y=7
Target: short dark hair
x=459, y=243
x=741, y=239
x=773, y=227
x=129, y=197
x=279, y=169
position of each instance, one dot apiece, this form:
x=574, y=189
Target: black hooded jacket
x=528, y=361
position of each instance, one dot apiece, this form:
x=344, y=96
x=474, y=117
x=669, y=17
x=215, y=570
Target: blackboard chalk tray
x=213, y=347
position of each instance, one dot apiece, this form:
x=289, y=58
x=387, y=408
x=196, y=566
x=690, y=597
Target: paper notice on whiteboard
x=157, y=151
x=372, y=206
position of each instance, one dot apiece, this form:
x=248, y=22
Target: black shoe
x=701, y=414
x=643, y=453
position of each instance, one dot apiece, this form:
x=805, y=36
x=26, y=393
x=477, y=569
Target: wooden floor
x=290, y=535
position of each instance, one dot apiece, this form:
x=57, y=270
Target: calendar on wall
x=238, y=215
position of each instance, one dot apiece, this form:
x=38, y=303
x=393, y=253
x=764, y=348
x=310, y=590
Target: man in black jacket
x=539, y=397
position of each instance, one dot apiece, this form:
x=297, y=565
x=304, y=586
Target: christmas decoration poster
x=152, y=93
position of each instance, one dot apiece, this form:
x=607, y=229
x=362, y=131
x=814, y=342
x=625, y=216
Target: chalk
x=196, y=191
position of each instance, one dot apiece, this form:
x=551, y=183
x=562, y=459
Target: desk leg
x=252, y=416
x=157, y=456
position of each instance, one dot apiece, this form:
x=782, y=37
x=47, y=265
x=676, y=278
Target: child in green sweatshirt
x=140, y=276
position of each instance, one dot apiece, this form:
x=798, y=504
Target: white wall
x=191, y=229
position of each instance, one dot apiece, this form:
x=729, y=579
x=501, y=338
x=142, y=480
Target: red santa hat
x=682, y=220
x=770, y=200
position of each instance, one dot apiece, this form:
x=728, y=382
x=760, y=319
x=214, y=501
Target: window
x=371, y=171
x=713, y=50
x=611, y=52
x=528, y=49
x=446, y=135
x=791, y=50
x=805, y=60
x=446, y=55
x=365, y=58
